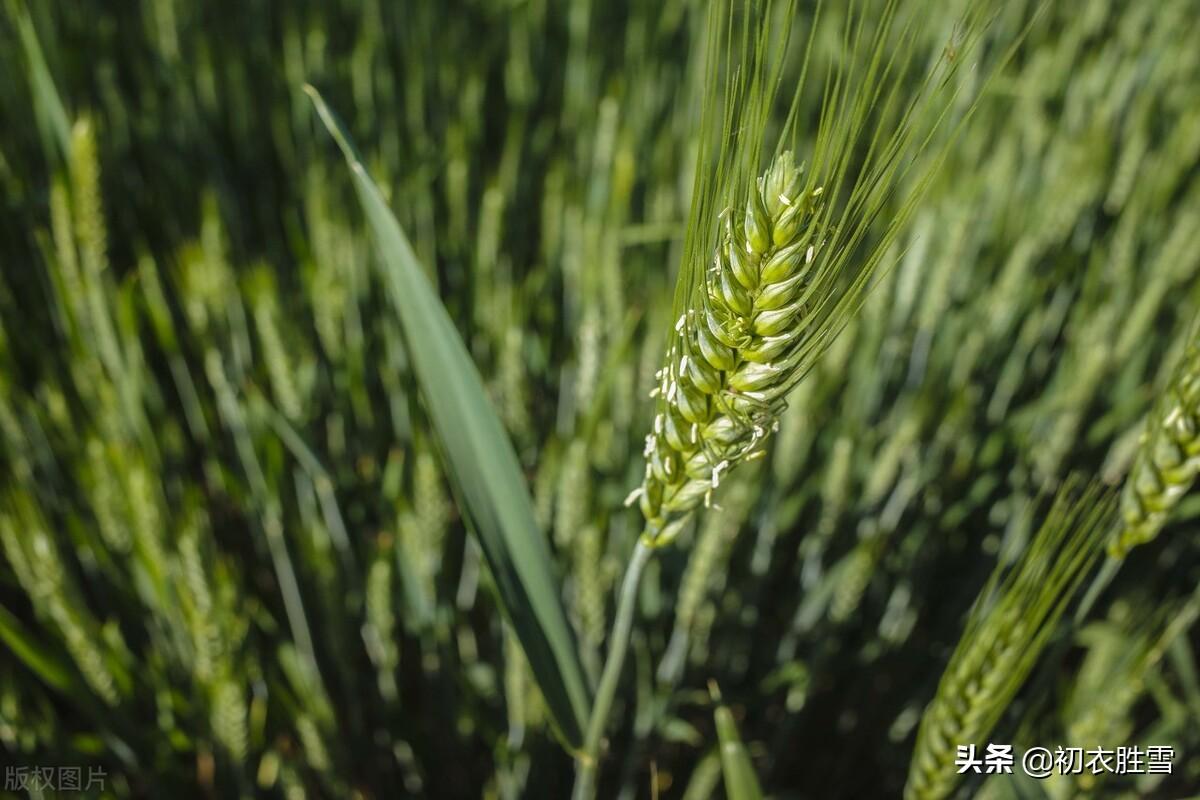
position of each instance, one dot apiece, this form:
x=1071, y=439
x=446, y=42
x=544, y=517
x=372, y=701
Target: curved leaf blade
x=740, y=781
x=483, y=466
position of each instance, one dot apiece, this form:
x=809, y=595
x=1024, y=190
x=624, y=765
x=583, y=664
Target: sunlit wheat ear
x=1007, y=631
x=739, y=348
x=1167, y=461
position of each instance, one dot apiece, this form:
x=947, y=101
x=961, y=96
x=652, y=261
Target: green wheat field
x=600, y=399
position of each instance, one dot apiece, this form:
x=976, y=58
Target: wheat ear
x=1167, y=461
x=1007, y=630
x=739, y=349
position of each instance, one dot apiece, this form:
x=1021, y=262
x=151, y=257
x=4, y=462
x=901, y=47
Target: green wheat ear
x=1010, y=625
x=776, y=263
x=1167, y=461
x=738, y=349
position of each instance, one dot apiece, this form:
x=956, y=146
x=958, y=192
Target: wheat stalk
x=1167, y=461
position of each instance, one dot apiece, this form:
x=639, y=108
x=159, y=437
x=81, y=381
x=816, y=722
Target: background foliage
x=231, y=563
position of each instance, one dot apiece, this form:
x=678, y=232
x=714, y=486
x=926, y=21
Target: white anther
x=632, y=497
x=716, y=474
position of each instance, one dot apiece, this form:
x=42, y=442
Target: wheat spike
x=590, y=585
x=1167, y=461
x=740, y=348
x=379, y=629
x=228, y=718
x=1004, y=637
x=281, y=371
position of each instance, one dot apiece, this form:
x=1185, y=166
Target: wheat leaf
x=45, y=664
x=740, y=781
x=48, y=106
x=482, y=464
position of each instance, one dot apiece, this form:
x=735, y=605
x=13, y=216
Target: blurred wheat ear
x=1011, y=624
x=481, y=463
x=1168, y=458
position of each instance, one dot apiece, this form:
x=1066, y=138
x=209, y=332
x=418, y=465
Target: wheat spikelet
x=107, y=498
x=740, y=348
x=38, y=564
x=836, y=487
x=572, y=497
x=198, y=606
x=419, y=588
x=1167, y=461
x=854, y=576
x=143, y=497
x=90, y=230
x=66, y=259
x=379, y=632
x=92, y=240
x=1004, y=638
x=430, y=505
x=264, y=308
x=590, y=584
x=511, y=385
x=228, y=718
x=545, y=487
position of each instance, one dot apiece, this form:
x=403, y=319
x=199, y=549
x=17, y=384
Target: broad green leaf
x=482, y=464
x=740, y=781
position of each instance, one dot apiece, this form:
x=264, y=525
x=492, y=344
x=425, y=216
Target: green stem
x=585, y=769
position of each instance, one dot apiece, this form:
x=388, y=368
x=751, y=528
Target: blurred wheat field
x=236, y=559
